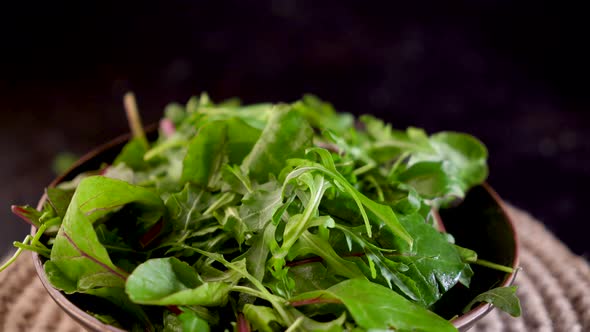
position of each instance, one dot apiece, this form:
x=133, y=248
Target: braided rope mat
x=554, y=288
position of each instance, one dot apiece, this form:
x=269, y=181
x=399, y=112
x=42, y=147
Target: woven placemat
x=553, y=298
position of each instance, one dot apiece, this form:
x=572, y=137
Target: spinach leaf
x=377, y=307
x=169, y=281
x=434, y=264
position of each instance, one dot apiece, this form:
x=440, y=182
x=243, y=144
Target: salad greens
x=265, y=217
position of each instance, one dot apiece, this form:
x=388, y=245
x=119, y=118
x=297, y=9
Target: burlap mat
x=554, y=287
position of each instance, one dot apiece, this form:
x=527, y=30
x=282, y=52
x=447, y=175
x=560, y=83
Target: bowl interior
x=480, y=223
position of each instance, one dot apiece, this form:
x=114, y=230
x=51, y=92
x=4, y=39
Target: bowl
x=480, y=222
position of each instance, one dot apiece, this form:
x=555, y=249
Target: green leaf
x=431, y=181
x=63, y=162
x=175, y=113
x=171, y=322
x=502, y=297
x=377, y=307
x=301, y=222
x=467, y=154
x=379, y=265
x=206, y=155
x=191, y=322
x=242, y=138
x=59, y=199
x=384, y=214
x=186, y=208
x=322, y=115
x=217, y=144
x=28, y=214
x=309, y=243
x=77, y=253
x=132, y=155
x=97, y=196
x=233, y=224
x=434, y=264
x=463, y=157
x=256, y=257
x=262, y=318
x=169, y=281
x=259, y=206
x=311, y=276
x=286, y=135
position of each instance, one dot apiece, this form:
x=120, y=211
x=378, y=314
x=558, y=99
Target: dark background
x=513, y=74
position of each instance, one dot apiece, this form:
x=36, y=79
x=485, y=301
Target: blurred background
x=514, y=74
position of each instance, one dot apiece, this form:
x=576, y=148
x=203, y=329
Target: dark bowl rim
x=480, y=310
x=88, y=320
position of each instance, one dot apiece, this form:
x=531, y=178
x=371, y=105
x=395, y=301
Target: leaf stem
x=364, y=169
x=249, y=291
x=494, y=266
x=295, y=324
x=15, y=255
x=263, y=291
x=42, y=251
x=134, y=119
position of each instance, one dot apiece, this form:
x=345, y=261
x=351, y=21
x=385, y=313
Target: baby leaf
x=377, y=307
x=502, y=297
x=59, y=199
x=286, y=135
x=191, y=322
x=433, y=263
x=169, y=281
x=262, y=318
x=132, y=155
x=206, y=155
x=310, y=243
x=77, y=255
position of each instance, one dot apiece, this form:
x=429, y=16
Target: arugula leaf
x=502, y=297
x=185, y=208
x=301, y=222
x=384, y=214
x=389, y=270
x=309, y=243
x=259, y=206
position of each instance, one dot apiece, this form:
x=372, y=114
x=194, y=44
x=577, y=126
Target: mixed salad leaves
x=265, y=217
